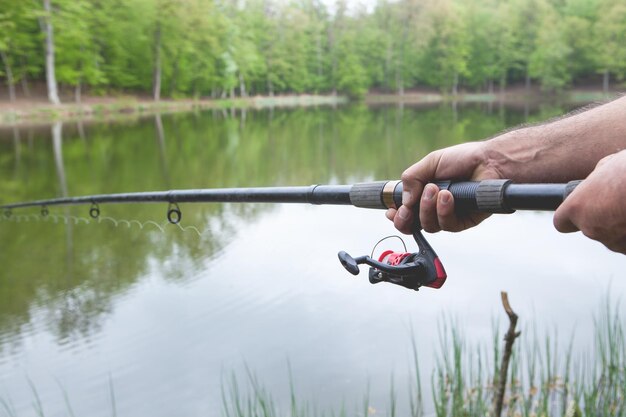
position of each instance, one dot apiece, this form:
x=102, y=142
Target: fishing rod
x=410, y=270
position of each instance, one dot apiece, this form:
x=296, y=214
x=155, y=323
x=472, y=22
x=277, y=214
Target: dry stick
x=509, y=339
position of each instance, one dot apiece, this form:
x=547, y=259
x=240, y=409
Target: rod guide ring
x=174, y=215
x=94, y=210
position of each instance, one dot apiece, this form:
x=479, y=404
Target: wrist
x=511, y=154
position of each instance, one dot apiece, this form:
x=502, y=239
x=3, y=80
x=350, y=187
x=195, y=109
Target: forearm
x=562, y=150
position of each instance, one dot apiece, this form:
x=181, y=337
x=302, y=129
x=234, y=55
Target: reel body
x=410, y=270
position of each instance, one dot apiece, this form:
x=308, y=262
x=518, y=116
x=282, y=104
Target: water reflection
x=257, y=280
x=57, y=149
x=270, y=148
x=17, y=145
x=160, y=137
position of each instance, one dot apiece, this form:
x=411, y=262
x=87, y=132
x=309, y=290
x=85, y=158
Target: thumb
x=562, y=220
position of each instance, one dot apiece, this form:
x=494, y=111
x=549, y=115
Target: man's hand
x=468, y=161
x=597, y=207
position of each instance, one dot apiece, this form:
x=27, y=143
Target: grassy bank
x=92, y=108
x=509, y=96
x=545, y=380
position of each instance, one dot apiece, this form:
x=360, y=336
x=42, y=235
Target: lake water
x=130, y=316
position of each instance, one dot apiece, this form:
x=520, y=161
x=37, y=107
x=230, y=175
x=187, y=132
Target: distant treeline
x=220, y=48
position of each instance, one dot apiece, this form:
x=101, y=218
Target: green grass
x=545, y=379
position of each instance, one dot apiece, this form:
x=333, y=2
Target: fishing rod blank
x=491, y=196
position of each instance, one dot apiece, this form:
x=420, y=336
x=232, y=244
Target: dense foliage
x=240, y=47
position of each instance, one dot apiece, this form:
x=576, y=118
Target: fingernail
x=429, y=193
x=445, y=198
x=406, y=197
x=403, y=213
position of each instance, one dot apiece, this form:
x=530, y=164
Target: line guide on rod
x=410, y=270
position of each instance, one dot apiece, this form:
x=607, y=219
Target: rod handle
x=487, y=196
x=495, y=196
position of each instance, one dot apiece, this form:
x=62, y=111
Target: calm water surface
x=131, y=316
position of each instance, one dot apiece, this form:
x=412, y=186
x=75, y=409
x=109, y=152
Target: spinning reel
x=410, y=270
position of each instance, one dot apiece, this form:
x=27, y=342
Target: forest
x=228, y=48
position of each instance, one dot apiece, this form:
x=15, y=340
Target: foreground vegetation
x=545, y=380
x=219, y=48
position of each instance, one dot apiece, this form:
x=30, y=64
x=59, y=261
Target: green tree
x=18, y=42
x=491, y=41
x=610, y=33
x=78, y=59
x=198, y=69
x=526, y=20
x=579, y=18
x=227, y=47
x=351, y=76
x=123, y=35
x=7, y=26
x=446, y=56
x=549, y=62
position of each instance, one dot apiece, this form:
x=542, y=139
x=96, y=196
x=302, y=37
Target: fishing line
x=117, y=222
x=385, y=238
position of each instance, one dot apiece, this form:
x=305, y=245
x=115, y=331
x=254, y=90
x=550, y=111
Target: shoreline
x=102, y=108
x=510, y=96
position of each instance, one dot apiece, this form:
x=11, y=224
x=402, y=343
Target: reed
x=544, y=378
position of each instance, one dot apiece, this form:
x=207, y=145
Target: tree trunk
x=527, y=81
x=174, y=77
x=387, y=76
x=242, y=86
x=24, y=79
x=78, y=92
x=455, y=84
x=402, y=54
x=490, y=87
x=399, y=81
x=502, y=83
x=270, y=87
x=25, y=89
x=606, y=76
x=318, y=45
x=10, y=80
x=51, y=79
x=156, y=76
